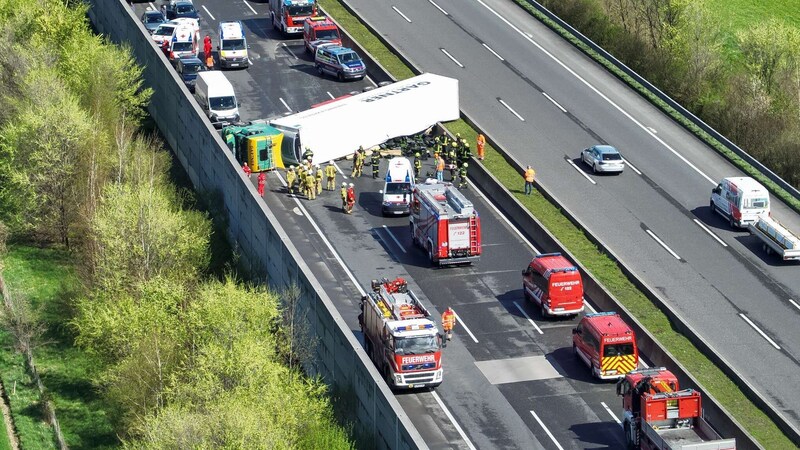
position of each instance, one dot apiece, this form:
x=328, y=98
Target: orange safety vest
x=440, y=165
x=529, y=175
x=481, y=143
x=448, y=320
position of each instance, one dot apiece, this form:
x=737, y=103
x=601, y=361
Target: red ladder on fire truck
x=474, y=239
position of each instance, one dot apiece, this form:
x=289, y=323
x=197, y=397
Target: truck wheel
x=730, y=221
x=629, y=444
x=274, y=24
x=319, y=70
x=544, y=311
x=387, y=375
x=574, y=349
x=767, y=249
x=430, y=253
x=340, y=76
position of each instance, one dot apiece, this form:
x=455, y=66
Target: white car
x=603, y=158
x=164, y=32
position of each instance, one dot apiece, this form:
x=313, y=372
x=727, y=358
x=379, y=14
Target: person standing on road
x=351, y=198
x=440, y=169
x=344, y=197
x=448, y=323
x=330, y=173
x=462, y=176
x=319, y=180
x=262, y=180
x=481, y=143
x=207, y=56
x=530, y=176
x=376, y=163
x=291, y=176
x=246, y=169
x=417, y=164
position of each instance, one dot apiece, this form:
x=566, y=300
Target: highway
x=543, y=101
x=554, y=404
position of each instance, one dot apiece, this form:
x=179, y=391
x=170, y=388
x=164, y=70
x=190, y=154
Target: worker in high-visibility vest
x=319, y=180
x=480, y=145
x=440, y=169
x=344, y=197
x=448, y=323
x=291, y=176
x=530, y=176
x=330, y=173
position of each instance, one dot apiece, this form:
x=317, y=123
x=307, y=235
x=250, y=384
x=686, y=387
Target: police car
x=341, y=62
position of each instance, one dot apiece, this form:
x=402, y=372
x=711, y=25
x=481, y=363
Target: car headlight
x=398, y=378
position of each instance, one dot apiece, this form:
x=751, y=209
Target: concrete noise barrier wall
x=264, y=246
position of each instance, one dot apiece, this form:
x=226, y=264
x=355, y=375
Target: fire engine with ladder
x=444, y=223
x=400, y=337
x=657, y=415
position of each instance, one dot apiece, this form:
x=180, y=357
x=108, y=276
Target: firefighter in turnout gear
x=311, y=185
x=291, y=176
x=351, y=198
x=376, y=163
x=417, y=164
x=465, y=153
x=344, y=197
x=330, y=174
x=448, y=323
x=319, y=180
x=452, y=160
x=308, y=154
x=462, y=176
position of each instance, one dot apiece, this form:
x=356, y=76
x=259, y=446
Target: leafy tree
x=768, y=48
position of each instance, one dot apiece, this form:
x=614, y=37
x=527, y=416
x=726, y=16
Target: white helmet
x=351, y=184
x=330, y=162
x=344, y=184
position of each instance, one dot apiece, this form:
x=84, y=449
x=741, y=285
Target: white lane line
x=394, y=239
x=588, y=305
x=461, y=322
x=653, y=235
x=285, y=104
x=529, y=318
x=330, y=95
x=401, y=14
x=453, y=421
x=493, y=52
x=438, y=7
x=628, y=163
x=643, y=364
x=529, y=38
x=572, y=163
x=283, y=44
x=541, y=424
x=554, y=102
x=208, y=12
x=325, y=240
x=611, y=413
x=251, y=8
x=717, y=238
x=510, y=109
x=152, y=6
x=794, y=303
x=764, y=335
x=502, y=216
x=451, y=57
x=339, y=169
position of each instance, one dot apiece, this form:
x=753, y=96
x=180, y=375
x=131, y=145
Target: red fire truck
x=659, y=416
x=400, y=337
x=288, y=16
x=444, y=223
x=317, y=30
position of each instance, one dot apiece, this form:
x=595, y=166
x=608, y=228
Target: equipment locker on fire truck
x=445, y=223
x=400, y=337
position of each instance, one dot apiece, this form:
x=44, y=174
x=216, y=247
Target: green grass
x=736, y=15
x=45, y=276
x=5, y=442
x=604, y=269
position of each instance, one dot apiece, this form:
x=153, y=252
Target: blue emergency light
x=414, y=327
x=601, y=314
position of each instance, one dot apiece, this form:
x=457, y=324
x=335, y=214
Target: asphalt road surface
x=543, y=101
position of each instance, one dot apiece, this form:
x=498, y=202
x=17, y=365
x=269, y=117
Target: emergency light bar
x=542, y=255
x=601, y=314
x=564, y=269
x=414, y=327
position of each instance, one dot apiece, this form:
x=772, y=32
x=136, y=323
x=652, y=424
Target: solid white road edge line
x=529, y=318
x=438, y=7
x=452, y=58
x=493, y=52
x=285, y=104
x=325, y=240
x=717, y=238
x=529, y=38
x=628, y=163
x=394, y=239
x=554, y=102
x=502, y=216
x=208, y=12
x=552, y=438
x=611, y=413
x=339, y=169
x=510, y=109
x=461, y=322
x=248, y=5
x=660, y=242
x=453, y=420
x=794, y=303
x=764, y=335
x=572, y=163
x=401, y=14
x=283, y=44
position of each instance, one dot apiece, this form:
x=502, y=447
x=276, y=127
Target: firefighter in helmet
x=330, y=174
x=308, y=154
x=319, y=179
x=291, y=176
x=462, y=175
x=448, y=323
x=344, y=196
x=417, y=164
x=376, y=163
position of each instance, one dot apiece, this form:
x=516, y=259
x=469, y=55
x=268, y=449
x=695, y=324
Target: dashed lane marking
x=493, y=52
x=529, y=318
x=502, y=102
x=452, y=58
x=575, y=166
x=401, y=14
x=554, y=102
x=453, y=421
x=661, y=243
x=463, y=325
x=438, y=7
x=716, y=238
x=755, y=327
x=552, y=438
x=208, y=12
x=611, y=413
x=400, y=246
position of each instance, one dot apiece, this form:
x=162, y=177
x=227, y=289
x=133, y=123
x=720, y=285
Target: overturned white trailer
x=336, y=129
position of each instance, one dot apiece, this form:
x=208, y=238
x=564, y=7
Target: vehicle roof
x=190, y=59
x=445, y=199
x=399, y=170
x=605, y=149
x=217, y=82
x=745, y=183
x=320, y=21
x=607, y=324
x=151, y=12
x=338, y=49
x=231, y=29
x=297, y=2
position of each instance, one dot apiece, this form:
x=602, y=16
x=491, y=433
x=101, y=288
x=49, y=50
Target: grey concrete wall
x=264, y=246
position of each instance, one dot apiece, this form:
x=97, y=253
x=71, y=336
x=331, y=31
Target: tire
x=413, y=235
x=274, y=25
x=712, y=206
x=544, y=311
x=525, y=294
x=340, y=76
x=430, y=254
x=596, y=372
x=594, y=169
x=574, y=350
x=388, y=377
x=731, y=222
x=629, y=444
x=320, y=71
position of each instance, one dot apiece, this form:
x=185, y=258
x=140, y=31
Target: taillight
x=736, y=213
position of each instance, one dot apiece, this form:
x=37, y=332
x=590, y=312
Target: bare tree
x=298, y=341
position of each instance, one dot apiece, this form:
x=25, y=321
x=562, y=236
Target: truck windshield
x=233, y=44
x=348, y=57
x=182, y=47
x=328, y=34
x=618, y=350
x=398, y=188
x=301, y=10
x=416, y=345
x=222, y=103
x=756, y=203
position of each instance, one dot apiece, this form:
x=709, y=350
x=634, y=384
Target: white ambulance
x=398, y=183
x=232, y=45
x=741, y=200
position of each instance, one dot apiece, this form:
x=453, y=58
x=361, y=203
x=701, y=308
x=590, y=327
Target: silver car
x=603, y=158
x=152, y=19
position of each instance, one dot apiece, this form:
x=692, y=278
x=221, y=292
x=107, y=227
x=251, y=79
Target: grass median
x=714, y=381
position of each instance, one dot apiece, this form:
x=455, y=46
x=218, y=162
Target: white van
x=232, y=45
x=742, y=200
x=215, y=95
x=399, y=182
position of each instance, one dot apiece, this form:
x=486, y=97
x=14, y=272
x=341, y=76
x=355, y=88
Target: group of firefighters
x=452, y=154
